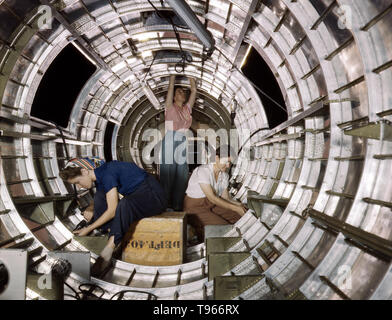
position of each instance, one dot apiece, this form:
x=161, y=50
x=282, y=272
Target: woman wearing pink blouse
x=174, y=170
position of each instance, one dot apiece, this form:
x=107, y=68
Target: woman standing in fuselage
x=174, y=169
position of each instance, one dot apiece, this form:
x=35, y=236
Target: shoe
x=100, y=266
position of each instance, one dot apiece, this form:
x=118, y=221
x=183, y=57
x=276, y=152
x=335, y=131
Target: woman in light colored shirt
x=207, y=200
x=173, y=170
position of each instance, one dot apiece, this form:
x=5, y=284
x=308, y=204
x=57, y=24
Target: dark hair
x=70, y=173
x=187, y=94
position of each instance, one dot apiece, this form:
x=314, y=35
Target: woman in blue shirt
x=142, y=194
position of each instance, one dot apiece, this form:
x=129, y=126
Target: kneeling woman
x=142, y=194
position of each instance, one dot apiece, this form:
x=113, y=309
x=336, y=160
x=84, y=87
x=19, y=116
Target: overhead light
x=75, y=142
x=246, y=56
x=76, y=45
x=145, y=36
x=151, y=96
x=183, y=10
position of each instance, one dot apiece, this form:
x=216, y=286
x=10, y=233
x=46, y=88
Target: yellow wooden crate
x=157, y=241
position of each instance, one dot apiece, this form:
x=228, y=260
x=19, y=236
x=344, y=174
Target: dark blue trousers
x=147, y=200
x=173, y=170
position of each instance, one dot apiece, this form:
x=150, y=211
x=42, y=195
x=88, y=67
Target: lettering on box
x=156, y=245
x=156, y=241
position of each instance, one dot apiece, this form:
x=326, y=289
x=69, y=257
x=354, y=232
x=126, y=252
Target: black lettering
x=134, y=244
x=176, y=244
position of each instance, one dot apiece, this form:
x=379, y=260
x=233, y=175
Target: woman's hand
x=83, y=232
x=88, y=214
x=241, y=210
x=192, y=81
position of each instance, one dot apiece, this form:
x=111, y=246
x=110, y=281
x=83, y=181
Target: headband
x=85, y=163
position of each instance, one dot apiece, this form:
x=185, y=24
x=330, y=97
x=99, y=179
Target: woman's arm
x=209, y=193
x=112, y=201
x=88, y=213
x=226, y=196
x=192, y=97
x=170, y=92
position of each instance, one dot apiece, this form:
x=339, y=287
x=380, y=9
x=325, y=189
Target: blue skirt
x=147, y=200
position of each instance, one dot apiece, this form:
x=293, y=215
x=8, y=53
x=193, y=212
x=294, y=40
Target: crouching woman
x=142, y=194
x=207, y=200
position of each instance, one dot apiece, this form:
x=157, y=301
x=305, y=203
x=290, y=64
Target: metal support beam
x=323, y=15
x=221, y=263
x=378, y=202
x=344, y=45
x=10, y=240
x=377, y=18
x=334, y=288
x=279, y=202
x=306, y=262
x=230, y=287
x=76, y=36
x=223, y=244
x=379, y=131
x=340, y=194
x=244, y=28
x=312, y=111
x=4, y=211
x=369, y=240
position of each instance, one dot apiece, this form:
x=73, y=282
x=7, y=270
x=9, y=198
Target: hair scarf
x=85, y=163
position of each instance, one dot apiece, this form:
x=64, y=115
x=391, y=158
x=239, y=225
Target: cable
x=136, y=291
x=256, y=87
x=84, y=292
x=153, y=60
x=76, y=296
x=90, y=291
x=70, y=295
